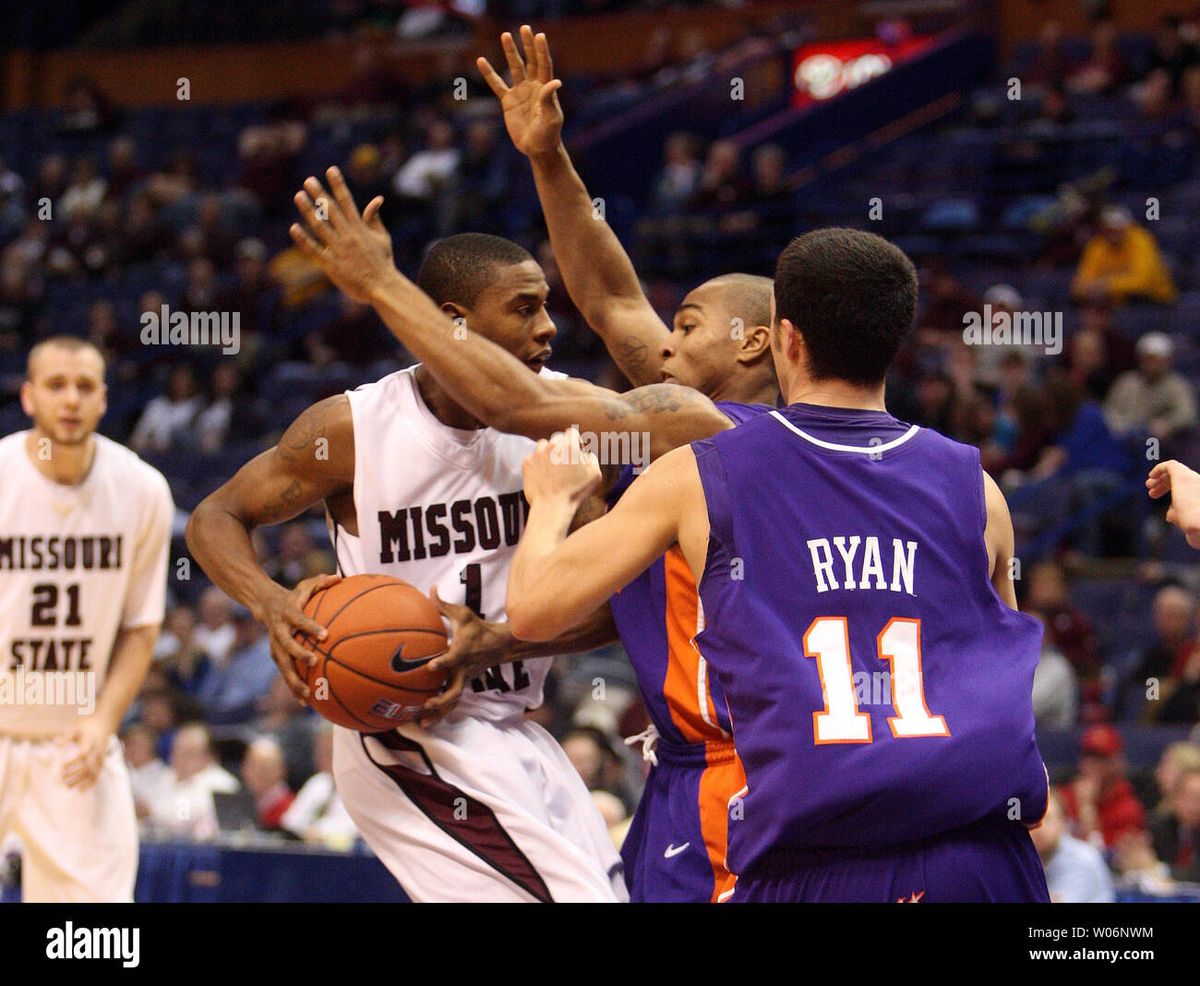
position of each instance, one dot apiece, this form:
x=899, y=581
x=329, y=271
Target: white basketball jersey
x=440, y=506
x=77, y=564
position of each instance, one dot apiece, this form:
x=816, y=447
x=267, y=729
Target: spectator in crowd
x=1075, y=870
x=297, y=278
x=1174, y=610
x=479, y=184
x=1104, y=69
x=186, y=663
x=1153, y=399
x=1055, y=690
x=251, y=295
x=428, y=171
x=231, y=692
x=595, y=758
x=167, y=421
x=1052, y=63
x=722, y=184
x=1101, y=801
x=317, y=814
x=1068, y=630
x=228, y=412
x=1180, y=693
x=86, y=110
x=1170, y=852
x=292, y=726
x=269, y=153
x=1122, y=262
x=214, y=634
x=158, y=711
x=147, y=772
x=1085, y=453
x=184, y=807
x=264, y=774
x=680, y=176
x=1172, y=54
x=1176, y=832
x=124, y=171
x=84, y=192
x=1176, y=758
x=298, y=556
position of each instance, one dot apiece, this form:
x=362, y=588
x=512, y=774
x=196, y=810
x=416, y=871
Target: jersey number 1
x=492, y=679
x=899, y=644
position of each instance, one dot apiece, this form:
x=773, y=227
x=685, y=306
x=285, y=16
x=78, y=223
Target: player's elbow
x=198, y=523
x=529, y=621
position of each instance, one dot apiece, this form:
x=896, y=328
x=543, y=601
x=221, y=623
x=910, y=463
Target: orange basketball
x=371, y=673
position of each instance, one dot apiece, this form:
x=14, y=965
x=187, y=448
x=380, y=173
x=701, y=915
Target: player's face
x=511, y=312
x=702, y=349
x=65, y=394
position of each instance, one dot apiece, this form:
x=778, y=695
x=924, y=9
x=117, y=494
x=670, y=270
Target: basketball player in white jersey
x=85, y=530
x=482, y=805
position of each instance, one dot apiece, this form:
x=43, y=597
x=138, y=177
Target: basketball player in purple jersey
x=834, y=547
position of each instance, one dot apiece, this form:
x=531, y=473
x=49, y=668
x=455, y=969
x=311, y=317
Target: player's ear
x=754, y=343
x=27, y=397
x=792, y=342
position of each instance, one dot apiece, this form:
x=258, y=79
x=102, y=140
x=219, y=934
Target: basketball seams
x=390, y=583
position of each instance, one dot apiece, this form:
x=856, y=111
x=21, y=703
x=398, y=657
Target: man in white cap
x=1122, y=261
x=1153, y=398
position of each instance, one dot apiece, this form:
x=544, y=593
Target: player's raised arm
x=596, y=270
x=355, y=253
x=275, y=486
x=557, y=580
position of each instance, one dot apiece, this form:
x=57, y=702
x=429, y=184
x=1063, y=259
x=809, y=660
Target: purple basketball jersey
x=640, y=613
x=880, y=690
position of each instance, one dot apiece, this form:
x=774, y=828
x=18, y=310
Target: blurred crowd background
x=1068, y=202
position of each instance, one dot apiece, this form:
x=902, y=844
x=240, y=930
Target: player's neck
x=440, y=404
x=837, y=393
x=743, y=391
x=64, y=464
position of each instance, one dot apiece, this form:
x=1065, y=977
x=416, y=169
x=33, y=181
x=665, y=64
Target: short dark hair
x=852, y=297
x=458, y=268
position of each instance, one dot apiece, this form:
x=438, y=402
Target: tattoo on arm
x=634, y=352
x=655, y=397
x=303, y=433
x=284, y=504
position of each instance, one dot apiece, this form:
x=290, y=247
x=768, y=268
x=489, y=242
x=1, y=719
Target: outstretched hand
x=531, y=111
x=354, y=251
x=1184, y=486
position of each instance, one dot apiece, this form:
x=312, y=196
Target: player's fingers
x=326, y=206
x=287, y=671
x=529, y=50
x=294, y=648
x=317, y=227
x=491, y=77
x=341, y=192
x=546, y=96
x=304, y=240
x=545, y=62
x=516, y=67
x=371, y=213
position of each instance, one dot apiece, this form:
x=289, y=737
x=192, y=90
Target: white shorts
x=472, y=810
x=77, y=846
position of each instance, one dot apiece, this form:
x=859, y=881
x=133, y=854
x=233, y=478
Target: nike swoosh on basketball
x=674, y=850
